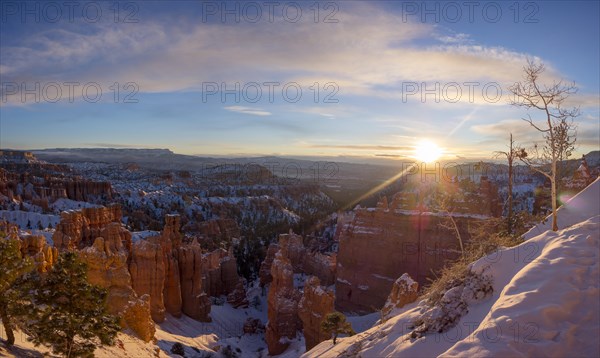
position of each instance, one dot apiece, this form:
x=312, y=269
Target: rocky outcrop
x=382, y=244
x=219, y=270
x=321, y=265
x=224, y=229
x=170, y=241
x=83, y=190
x=170, y=234
x=292, y=247
x=79, y=229
x=195, y=302
x=282, y=303
x=238, y=297
x=43, y=255
x=265, y=267
x=315, y=304
x=302, y=260
x=404, y=291
x=107, y=267
x=178, y=277
x=172, y=290
x=148, y=272
x=253, y=325
x=137, y=317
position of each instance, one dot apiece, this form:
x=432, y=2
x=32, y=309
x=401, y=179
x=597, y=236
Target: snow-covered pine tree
x=70, y=314
x=335, y=323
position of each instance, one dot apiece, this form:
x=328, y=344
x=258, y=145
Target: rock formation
x=176, y=276
x=302, y=260
x=82, y=190
x=43, y=255
x=253, y=325
x=321, y=265
x=107, y=267
x=282, y=304
x=195, y=302
x=238, y=297
x=315, y=304
x=382, y=244
x=79, y=229
x=265, y=267
x=148, y=271
x=404, y=291
x=219, y=269
x=137, y=317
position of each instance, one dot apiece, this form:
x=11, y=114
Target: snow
x=545, y=300
x=574, y=211
x=140, y=235
x=406, y=279
x=64, y=204
x=382, y=277
x=126, y=347
x=29, y=220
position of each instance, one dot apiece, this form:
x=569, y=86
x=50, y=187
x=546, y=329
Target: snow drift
x=545, y=301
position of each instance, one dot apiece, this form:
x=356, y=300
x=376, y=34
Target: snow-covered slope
x=582, y=206
x=545, y=302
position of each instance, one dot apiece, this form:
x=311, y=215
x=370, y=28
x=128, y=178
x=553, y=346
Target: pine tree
x=70, y=314
x=335, y=323
x=12, y=268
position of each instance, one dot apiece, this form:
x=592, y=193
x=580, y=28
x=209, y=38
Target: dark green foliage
x=228, y=352
x=178, y=348
x=70, y=314
x=12, y=268
x=335, y=323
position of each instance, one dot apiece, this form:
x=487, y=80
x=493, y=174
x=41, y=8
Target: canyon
x=146, y=278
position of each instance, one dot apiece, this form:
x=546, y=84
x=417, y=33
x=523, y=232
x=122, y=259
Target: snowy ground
x=198, y=338
x=29, y=220
x=545, y=301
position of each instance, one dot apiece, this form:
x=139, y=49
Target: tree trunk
x=553, y=191
x=10, y=336
x=510, y=185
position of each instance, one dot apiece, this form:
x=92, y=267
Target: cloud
x=359, y=147
x=248, y=110
x=587, y=133
x=360, y=54
x=459, y=38
x=391, y=155
x=114, y=145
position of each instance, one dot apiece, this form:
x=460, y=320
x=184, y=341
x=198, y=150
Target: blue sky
x=372, y=62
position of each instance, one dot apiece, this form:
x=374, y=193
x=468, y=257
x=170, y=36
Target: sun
x=427, y=151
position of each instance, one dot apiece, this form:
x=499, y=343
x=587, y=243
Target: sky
x=335, y=78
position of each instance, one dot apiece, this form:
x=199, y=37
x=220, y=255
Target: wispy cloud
x=359, y=147
x=359, y=55
x=248, y=110
x=114, y=145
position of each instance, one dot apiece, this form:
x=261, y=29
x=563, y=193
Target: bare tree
x=446, y=205
x=511, y=155
x=557, y=128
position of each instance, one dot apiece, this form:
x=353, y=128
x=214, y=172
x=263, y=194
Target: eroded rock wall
x=381, y=244
x=315, y=304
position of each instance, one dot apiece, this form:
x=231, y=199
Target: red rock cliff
x=381, y=244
